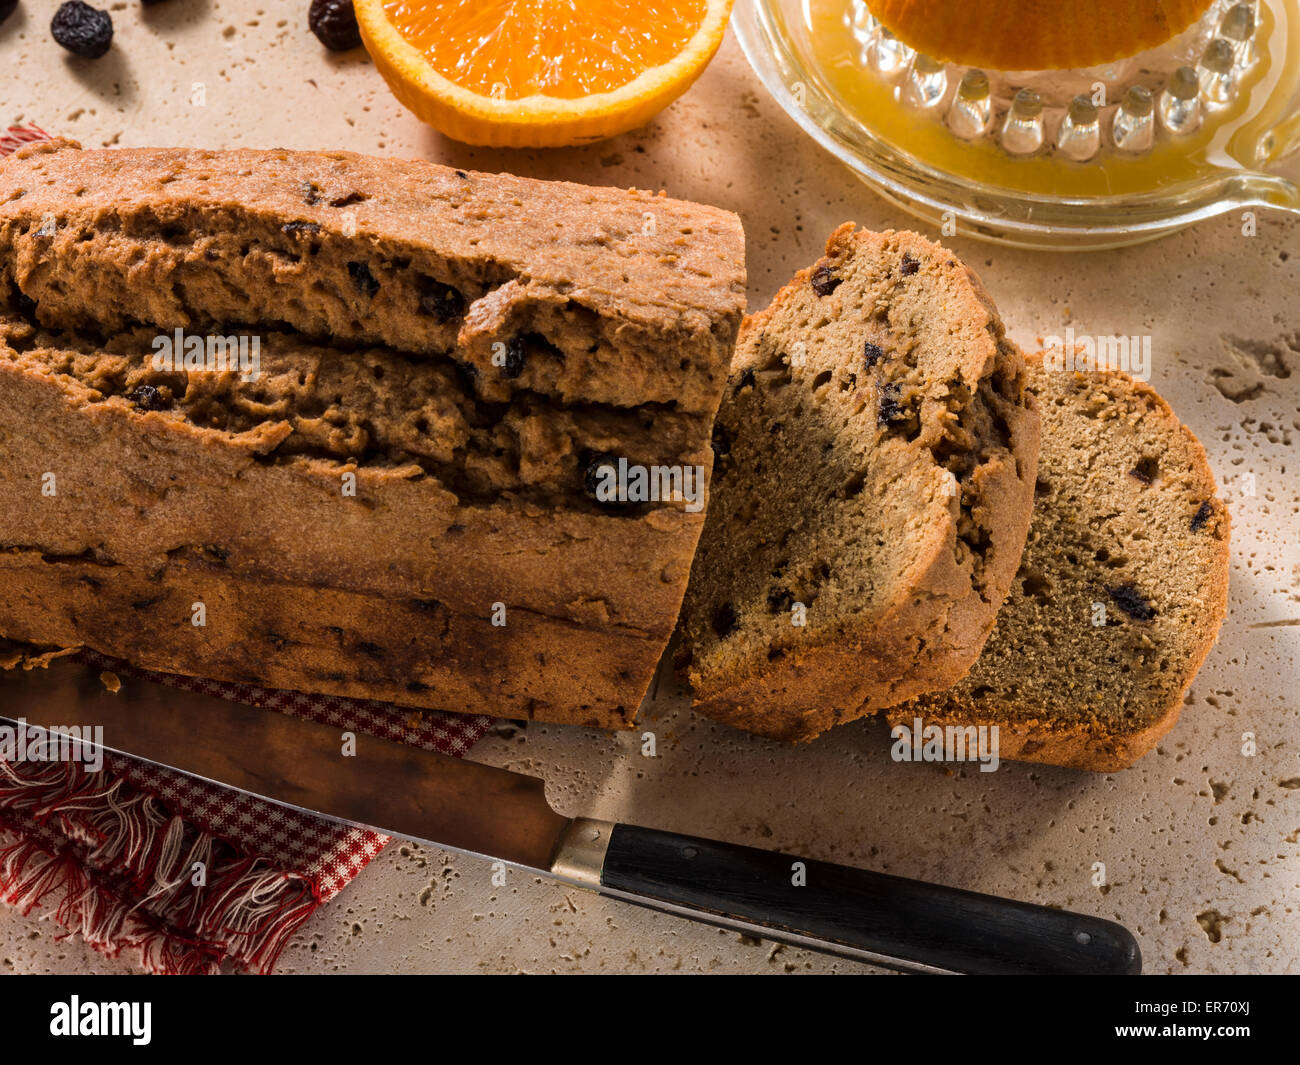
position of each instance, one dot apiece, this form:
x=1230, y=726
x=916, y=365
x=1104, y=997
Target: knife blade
x=501, y=815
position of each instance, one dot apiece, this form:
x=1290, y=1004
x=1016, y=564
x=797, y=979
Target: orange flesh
x=564, y=48
x=1036, y=34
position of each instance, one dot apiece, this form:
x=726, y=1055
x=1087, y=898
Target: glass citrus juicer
x=1045, y=123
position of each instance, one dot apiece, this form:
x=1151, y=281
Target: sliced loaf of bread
x=1120, y=593
x=403, y=500
x=873, y=486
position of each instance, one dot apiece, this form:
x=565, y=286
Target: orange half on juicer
x=1035, y=34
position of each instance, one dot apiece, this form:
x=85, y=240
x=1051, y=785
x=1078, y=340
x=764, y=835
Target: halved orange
x=1035, y=34
x=540, y=73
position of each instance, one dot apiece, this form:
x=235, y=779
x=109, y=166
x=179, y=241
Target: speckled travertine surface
x=1200, y=842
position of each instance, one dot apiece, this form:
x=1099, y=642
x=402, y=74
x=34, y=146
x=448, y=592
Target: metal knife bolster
x=580, y=858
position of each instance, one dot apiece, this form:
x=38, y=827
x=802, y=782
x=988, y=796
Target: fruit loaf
x=445, y=358
x=1121, y=590
x=876, y=453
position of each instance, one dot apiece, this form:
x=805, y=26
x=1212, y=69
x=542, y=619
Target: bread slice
x=876, y=454
x=386, y=510
x=1120, y=593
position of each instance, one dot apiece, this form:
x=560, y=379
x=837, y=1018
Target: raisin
x=593, y=479
x=872, y=353
x=81, y=29
x=462, y=174
x=1132, y=602
x=516, y=353
x=780, y=600
x=310, y=193
x=7, y=8
x=824, y=281
x=294, y=228
x=1146, y=470
x=519, y=348
x=468, y=374
x=147, y=397
x=335, y=24
x=910, y=265
x=442, y=301
x=890, y=409
x=725, y=621
x=721, y=442
x=1201, y=516
x=363, y=279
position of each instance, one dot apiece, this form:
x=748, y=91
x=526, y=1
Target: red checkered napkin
x=113, y=856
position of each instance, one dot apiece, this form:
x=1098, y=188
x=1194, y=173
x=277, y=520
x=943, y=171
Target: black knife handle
x=904, y=924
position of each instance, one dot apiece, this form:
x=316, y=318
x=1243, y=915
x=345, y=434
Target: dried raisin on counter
x=81, y=29
x=335, y=24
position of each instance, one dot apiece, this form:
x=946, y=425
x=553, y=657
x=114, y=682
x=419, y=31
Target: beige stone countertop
x=1201, y=843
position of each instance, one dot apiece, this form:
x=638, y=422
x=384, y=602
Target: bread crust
x=192, y=238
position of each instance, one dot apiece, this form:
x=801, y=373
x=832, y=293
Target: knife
x=500, y=815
